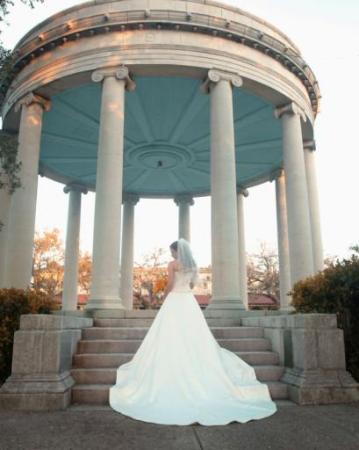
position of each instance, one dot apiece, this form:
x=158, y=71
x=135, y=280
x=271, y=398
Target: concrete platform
x=323, y=427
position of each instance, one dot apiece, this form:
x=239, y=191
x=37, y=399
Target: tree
x=4, y=6
x=7, y=58
x=85, y=271
x=151, y=277
x=155, y=258
x=263, y=272
x=48, y=262
x=355, y=248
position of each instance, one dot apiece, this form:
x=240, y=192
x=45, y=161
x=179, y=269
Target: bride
x=179, y=374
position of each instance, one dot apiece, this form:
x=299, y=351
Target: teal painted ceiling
x=167, y=136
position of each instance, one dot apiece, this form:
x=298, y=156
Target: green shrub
x=13, y=303
x=335, y=290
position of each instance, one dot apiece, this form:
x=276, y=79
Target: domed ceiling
x=167, y=137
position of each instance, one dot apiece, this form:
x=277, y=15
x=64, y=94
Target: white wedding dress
x=180, y=375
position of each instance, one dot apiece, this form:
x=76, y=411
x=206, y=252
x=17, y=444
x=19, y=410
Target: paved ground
x=292, y=427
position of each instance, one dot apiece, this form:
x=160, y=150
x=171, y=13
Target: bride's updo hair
x=174, y=245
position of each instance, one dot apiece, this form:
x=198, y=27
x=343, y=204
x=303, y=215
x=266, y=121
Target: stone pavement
x=292, y=427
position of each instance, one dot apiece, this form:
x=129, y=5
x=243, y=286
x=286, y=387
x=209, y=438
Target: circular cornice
x=263, y=37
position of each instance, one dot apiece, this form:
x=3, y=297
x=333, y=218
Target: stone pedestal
x=311, y=348
x=42, y=358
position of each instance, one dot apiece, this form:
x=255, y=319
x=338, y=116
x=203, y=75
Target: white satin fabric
x=180, y=375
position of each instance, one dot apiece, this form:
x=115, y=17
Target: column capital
x=215, y=75
x=183, y=198
x=75, y=187
x=309, y=145
x=130, y=198
x=31, y=98
x=243, y=191
x=291, y=109
x=120, y=73
x=276, y=174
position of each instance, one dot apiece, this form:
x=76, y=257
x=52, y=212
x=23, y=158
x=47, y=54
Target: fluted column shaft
x=299, y=232
x=127, y=259
x=107, y=225
x=72, y=249
x=243, y=278
x=309, y=158
x=283, y=242
x=225, y=258
x=184, y=224
x=21, y=223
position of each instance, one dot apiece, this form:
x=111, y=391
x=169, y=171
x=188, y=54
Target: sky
x=327, y=34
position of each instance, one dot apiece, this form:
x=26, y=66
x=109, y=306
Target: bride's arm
x=170, y=279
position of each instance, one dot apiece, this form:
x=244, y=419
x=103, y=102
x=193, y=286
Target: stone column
x=243, y=283
x=309, y=158
x=184, y=201
x=21, y=223
x=283, y=243
x=224, y=224
x=69, y=294
x=126, y=284
x=5, y=202
x=299, y=233
x=107, y=226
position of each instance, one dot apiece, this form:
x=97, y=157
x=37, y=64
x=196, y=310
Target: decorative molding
x=75, y=187
x=242, y=191
x=290, y=108
x=183, y=198
x=76, y=63
x=309, y=145
x=131, y=198
x=215, y=75
x=120, y=73
x=31, y=98
x=276, y=174
x=256, y=34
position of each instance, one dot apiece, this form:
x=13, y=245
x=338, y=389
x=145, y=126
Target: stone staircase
x=113, y=341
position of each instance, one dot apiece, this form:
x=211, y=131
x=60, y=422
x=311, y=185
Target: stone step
x=97, y=394
x=281, y=403
x=132, y=345
x=140, y=332
x=103, y=360
x=108, y=375
x=147, y=321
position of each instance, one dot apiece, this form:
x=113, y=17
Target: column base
x=226, y=302
x=110, y=303
x=289, y=309
x=37, y=392
x=320, y=386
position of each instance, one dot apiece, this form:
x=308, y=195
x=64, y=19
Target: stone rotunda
x=162, y=99
x=176, y=99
